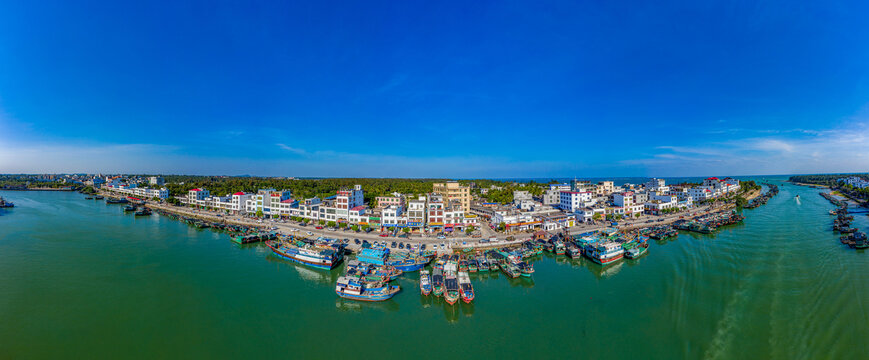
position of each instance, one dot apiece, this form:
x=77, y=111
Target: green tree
x=502, y=226
x=342, y=225
x=331, y=224
x=596, y=216
x=259, y=213
x=741, y=201
x=354, y=227
x=322, y=222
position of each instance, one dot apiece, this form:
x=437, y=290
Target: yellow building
x=452, y=190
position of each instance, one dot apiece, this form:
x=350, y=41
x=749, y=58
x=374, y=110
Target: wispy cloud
x=843, y=149
x=292, y=149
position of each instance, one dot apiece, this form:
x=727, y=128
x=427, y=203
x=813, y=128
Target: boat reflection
x=361, y=306
x=309, y=274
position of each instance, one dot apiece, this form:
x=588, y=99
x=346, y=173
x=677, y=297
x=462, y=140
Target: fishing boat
x=437, y=280
x=319, y=257
x=482, y=264
x=6, y=204
x=142, y=212
x=405, y=261
x=606, y=253
x=116, y=201
x=88, y=197
x=511, y=270
x=637, y=251
x=385, y=272
x=466, y=290
x=425, y=286
x=452, y=265
x=472, y=266
x=463, y=266
x=832, y=212
x=574, y=252
x=525, y=269
x=559, y=248
x=129, y=208
x=451, y=293
x=349, y=288
x=99, y=197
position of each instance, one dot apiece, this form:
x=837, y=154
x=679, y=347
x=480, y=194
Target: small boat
x=116, y=201
x=525, y=269
x=142, y=212
x=463, y=265
x=88, y=197
x=319, y=257
x=451, y=294
x=482, y=264
x=129, y=208
x=832, y=212
x=424, y=282
x=437, y=280
x=637, y=251
x=472, y=266
x=511, y=270
x=465, y=288
x=6, y=204
x=574, y=252
x=559, y=248
x=99, y=197
x=349, y=288
x=606, y=253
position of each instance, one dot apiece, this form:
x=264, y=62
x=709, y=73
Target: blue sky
x=435, y=88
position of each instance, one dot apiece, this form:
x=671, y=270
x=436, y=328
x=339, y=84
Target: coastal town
x=455, y=227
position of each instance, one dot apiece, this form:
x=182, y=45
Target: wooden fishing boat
x=349, y=288
x=425, y=286
x=465, y=288
x=437, y=280
x=451, y=293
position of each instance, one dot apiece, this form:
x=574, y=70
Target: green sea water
x=80, y=279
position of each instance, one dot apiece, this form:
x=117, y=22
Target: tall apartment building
x=347, y=199
x=416, y=210
x=435, y=212
x=452, y=190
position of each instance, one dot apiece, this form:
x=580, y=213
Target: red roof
x=239, y=193
x=360, y=207
x=195, y=189
x=712, y=178
x=288, y=201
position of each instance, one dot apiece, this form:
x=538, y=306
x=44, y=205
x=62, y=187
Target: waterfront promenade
x=287, y=227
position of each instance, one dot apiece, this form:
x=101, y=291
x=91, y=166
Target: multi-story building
x=387, y=201
x=623, y=199
x=346, y=199
x=521, y=195
x=268, y=202
x=393, y=215
x=156, y=180
x=196, y=197
x=552, y=196
x=454, y=217
x=434, y=211
x=854, y=181
x=570, y=201
x=452, y=190
x=416, y=212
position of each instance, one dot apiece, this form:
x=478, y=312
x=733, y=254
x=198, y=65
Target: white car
x=310, y=233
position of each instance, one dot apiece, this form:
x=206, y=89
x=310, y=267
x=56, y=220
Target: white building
x=855, y=181
x=570, y=201
x=156, y=180
x=346, y=199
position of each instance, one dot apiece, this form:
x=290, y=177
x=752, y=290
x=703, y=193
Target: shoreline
x=452, y=244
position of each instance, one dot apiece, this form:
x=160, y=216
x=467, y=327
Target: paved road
x=287, y=226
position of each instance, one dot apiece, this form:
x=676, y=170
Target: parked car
x=310, y=233
x=441, y=237
x=401, y=245
x=318, y=228
x=422, y=247
x=383, y=235
x=357, y=241
x=393, y=245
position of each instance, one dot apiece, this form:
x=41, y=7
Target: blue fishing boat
x=384, y=272
x=319, y=257
x=353, y=289
x=401, y=260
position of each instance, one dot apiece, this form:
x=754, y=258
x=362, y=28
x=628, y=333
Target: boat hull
x=322, y=266
x=609, y=260
x=372, y=298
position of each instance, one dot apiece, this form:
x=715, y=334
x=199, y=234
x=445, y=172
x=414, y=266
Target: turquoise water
x=78, y=278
